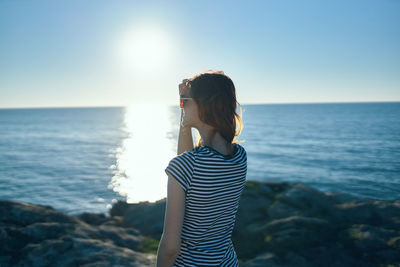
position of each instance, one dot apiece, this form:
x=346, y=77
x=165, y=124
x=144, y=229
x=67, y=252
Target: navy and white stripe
x=213, y=184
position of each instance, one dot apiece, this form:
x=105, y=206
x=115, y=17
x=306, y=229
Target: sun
x=145, y=49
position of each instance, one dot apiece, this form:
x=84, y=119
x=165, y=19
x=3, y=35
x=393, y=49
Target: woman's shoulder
x=241, y=147
x=188, y=154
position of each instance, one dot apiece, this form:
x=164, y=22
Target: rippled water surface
x=84, y=159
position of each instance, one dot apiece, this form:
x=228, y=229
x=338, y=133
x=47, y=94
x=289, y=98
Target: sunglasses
x=183, y=99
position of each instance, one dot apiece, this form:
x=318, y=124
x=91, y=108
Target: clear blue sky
x=116, y=53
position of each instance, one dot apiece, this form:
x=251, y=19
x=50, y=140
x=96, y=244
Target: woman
x=204, y=182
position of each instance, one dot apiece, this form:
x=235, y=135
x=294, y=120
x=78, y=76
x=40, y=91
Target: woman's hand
x=183, y=87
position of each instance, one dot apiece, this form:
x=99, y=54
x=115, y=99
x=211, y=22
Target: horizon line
x=266, y=103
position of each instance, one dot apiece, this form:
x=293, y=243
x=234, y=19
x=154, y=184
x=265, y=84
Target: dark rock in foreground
x=282, y=224
x=278, y=224
x=36, y=235
x=295, y=225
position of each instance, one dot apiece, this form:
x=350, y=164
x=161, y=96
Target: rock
x=302, y=226
x=115, y=221
x=340, y=198
x=293, y=234
x=295, y=260
x=93, y=218
x=119, y=208
x=253, y=207
x=378, y=213
x=37, y=235
x=307, y=198
x=81, y=252
x=279, y=209
x=394, y=242
x=22, y=214
x=145, y=216
x=376, y=241
x=277, y=224
x=266, y=259
x=38, y=232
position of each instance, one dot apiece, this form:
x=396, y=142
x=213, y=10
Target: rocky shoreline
x=278, y=224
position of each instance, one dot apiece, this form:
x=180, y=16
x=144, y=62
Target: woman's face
x=190, y=112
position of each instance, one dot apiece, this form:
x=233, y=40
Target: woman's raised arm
x=185, y=139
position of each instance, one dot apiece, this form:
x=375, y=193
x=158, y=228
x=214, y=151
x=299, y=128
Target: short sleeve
x=181, y=168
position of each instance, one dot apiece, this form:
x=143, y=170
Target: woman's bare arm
x=185, y=139
x=170, y=243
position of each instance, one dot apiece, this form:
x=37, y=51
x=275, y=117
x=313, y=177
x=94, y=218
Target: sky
x=119, y=53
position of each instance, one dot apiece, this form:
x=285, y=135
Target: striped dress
x=213, y=184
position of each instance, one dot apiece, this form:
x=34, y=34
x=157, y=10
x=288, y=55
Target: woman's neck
x=211, y=138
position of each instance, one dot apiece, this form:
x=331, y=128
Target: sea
x=85, y=159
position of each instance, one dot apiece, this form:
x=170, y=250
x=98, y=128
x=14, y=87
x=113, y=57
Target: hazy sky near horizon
x=117, y=53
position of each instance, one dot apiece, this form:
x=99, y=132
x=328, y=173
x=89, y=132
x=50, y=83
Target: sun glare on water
x=144, y=154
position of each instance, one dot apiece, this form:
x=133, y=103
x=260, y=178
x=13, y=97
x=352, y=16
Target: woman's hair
x=215, y=96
